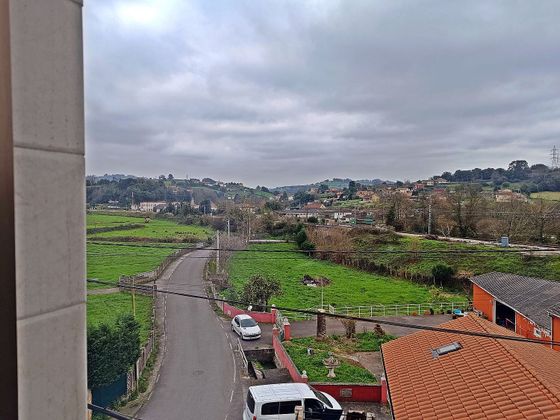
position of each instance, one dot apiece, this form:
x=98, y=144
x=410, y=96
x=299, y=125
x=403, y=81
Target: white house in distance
x=153, y=206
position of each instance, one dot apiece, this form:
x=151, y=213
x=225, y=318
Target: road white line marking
x=234, y=367
x=231, y=396
x=230, y=346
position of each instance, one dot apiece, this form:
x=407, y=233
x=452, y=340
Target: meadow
x=348, y=286
x=155, y=231
x=109, y=261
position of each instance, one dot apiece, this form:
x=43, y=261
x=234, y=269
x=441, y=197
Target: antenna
x=555, y=158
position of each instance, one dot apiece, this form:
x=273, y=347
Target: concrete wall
x=262, y=317
x=48, y=125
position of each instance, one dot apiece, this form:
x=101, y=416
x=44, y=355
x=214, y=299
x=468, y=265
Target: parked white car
x=246, y=327
x=279, y=402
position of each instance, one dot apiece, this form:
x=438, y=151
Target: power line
x=338, y=316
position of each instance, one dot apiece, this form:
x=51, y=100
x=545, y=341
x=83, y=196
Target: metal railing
x=385, y=310
x=244, y=361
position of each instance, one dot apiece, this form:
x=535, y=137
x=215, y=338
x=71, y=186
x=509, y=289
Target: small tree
x=259, y=289
x=442, y=273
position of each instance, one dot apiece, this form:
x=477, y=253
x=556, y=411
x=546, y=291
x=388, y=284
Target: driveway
x=198, y=378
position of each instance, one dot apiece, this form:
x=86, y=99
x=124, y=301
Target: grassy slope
x=349, y=287
x=106, y=309
x=545, y=267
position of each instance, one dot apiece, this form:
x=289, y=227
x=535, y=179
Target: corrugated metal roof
x=530, y=296
x=555, y=310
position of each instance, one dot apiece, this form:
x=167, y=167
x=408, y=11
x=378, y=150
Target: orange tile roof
x=486, y=379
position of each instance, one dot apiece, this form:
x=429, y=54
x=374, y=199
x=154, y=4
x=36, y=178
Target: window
x=313, y=407
x=269, y=408
x=440, y=351
x=322, y=397
x=288, y=407
x=250, y=402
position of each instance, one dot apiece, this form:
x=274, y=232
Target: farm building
x=529, y=306
x=455, y=376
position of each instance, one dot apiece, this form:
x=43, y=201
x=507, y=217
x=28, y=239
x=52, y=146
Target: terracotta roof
x=485, y=379
x=529, y=296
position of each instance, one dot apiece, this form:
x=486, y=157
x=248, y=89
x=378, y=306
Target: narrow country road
x=198, y=376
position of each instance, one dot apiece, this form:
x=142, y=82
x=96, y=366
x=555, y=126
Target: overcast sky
x=283, y=92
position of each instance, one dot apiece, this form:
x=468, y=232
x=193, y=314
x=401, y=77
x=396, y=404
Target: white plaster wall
x=47, y=90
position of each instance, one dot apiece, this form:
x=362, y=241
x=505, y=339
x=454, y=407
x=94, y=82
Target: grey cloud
x=282, y=92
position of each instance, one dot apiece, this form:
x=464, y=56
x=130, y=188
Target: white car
x=246, y=327
x=279, y=402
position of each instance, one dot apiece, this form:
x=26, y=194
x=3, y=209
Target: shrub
x=442, y=273
x=112, y=350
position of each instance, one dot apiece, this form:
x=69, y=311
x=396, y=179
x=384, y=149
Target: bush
x=442, y=273
x=312, y=219
x=307, y=246
x=301, y=237
x=112, y=350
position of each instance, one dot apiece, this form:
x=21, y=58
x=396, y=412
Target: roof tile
x=486, y=379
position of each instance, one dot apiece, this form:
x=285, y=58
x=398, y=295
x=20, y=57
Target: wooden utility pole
x=218, y=252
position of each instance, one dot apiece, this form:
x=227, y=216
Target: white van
x=278, y=402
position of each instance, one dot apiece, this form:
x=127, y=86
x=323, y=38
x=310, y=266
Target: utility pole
x=249, y=227
x=228, y=228
x=430, y=216
x=133, y=298
x=218, y=251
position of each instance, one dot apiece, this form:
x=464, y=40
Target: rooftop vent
x=449, y=348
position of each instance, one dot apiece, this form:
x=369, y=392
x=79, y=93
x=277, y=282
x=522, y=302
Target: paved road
x=198, y=378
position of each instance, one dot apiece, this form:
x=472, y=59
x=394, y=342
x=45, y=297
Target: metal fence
x=385, y=310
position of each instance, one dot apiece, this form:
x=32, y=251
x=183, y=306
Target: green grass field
x=546, y=195
x=110, y=261
x=348, y=287
x=96, y=220
x=157, y=230
x=472, y=264
x=107, y=308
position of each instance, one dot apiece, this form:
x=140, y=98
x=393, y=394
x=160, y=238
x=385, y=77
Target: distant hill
x=121, y=188
x=331, y=183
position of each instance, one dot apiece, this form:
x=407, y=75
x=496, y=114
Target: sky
x=292, y=91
